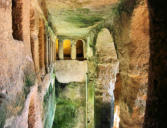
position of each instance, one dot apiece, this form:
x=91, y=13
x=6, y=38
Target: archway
x=80, y=50
x=67, y=49
x=105, y=84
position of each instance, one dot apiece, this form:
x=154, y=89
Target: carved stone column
x=46, y=54
x=54, y=50
x=49, y=52
x=89, y=50
x=60, y=50
x=73, y=50
x=84, y=49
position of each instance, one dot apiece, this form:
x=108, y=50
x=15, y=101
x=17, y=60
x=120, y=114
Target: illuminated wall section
x=57, y=46
x=67, y=49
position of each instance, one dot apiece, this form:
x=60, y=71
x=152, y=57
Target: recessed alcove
x=80, y=50
x=17, y=17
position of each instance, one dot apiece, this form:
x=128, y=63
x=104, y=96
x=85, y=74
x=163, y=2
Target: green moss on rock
x=70, y=107
x=49, y=106
x=66, y=113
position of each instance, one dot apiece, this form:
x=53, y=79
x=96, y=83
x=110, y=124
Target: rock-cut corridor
x=83, y=64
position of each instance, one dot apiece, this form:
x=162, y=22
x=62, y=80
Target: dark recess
x=156, y=109
x=17, y=9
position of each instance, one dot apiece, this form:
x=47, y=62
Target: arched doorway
x=106, y=78
x=80, y=50
x=67, y=49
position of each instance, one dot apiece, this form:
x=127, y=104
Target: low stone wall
x=70, y=71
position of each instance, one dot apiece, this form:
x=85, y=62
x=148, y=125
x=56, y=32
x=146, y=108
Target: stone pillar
x=53, y=53
x=61, y=52
x=36, y=53
x=89, y=50
x=54, y=45
x=84, y=49
x=73, y=50
x=49, y=51
x=46, y=54
x=41, y=39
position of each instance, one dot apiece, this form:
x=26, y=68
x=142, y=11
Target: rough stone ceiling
x=75, y=18
x=79, y=3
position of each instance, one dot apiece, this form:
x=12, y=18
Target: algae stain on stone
x=70, y=105
x=49, y=106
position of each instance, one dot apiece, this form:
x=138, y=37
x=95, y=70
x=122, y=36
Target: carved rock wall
x=132, y=41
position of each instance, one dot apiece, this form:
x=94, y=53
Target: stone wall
x=15, y=58
x=131, y=34
x=70, y=71
x=22, y=86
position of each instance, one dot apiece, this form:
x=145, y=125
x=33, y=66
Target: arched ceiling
x=75, y=18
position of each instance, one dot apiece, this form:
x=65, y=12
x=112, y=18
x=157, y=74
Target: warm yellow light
x=67, y=47
x=57, y=45
x=116, y=116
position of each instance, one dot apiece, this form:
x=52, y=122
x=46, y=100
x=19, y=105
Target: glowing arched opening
x=80, y=50
x=67, y=49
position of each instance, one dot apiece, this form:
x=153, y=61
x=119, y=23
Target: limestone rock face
x=133, y=52
x=21, y=91
x=15, y=57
